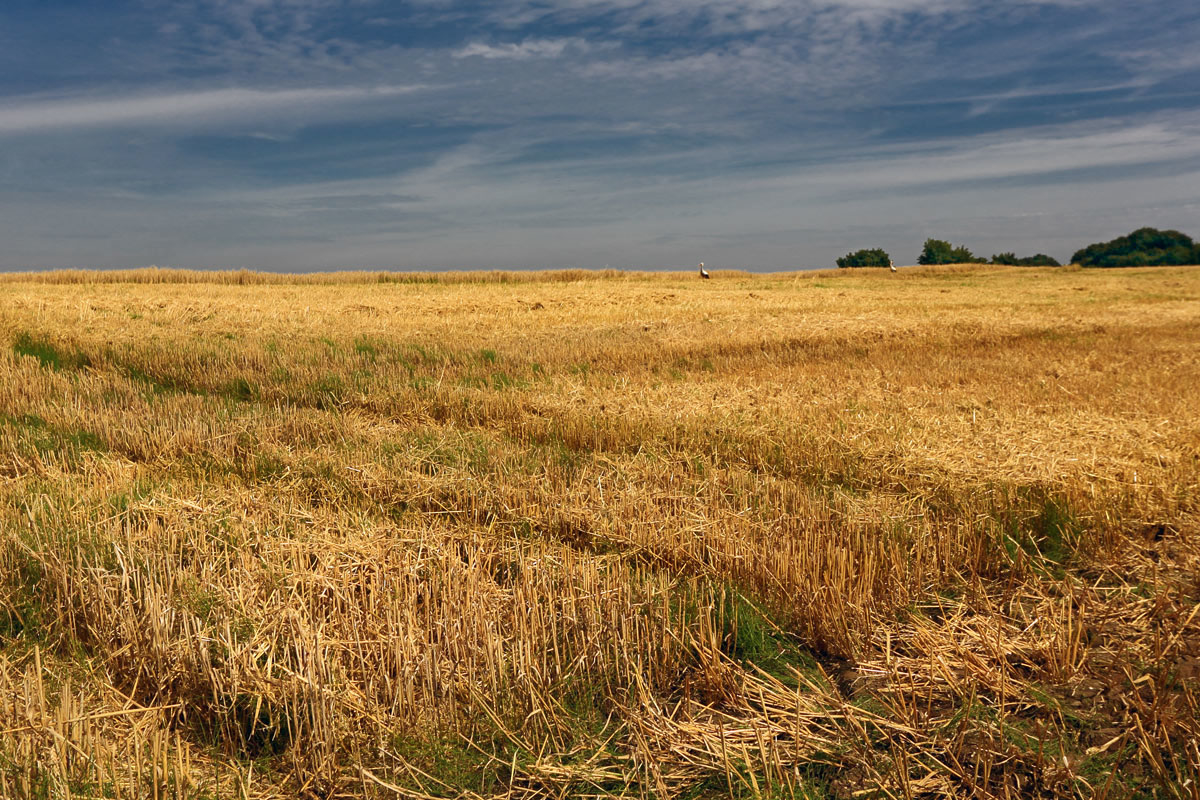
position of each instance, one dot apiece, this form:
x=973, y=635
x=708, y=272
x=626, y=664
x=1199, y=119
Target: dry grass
x=244, y=277
x=590, y=534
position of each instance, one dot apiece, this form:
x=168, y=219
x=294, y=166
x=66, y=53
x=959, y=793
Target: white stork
x=703, y=271
x=891, y=265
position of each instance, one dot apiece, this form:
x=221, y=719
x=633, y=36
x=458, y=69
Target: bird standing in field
x=891, y=265
x=703, y=271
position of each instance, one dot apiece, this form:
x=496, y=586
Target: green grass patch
x=84, y=440
x=1108, y=770
x=1058, y=529
x=502, y=381
x=366, y=348
x=155, y=383
x=329, y=391
x=35, y=435
x=1039, y=527
x=23, y=615
x=450, y=761
x=48, y=353
x=466, y=450
x=553, y=457
x=428, y=356
x=123, y=502
x=241, y=390
x=754, y=639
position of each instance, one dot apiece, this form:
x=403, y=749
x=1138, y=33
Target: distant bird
x=703, y=272
x=891, y=265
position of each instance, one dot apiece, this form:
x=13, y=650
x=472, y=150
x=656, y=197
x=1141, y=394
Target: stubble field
x=588, y=535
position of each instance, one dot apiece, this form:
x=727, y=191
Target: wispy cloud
x=733, y=16
x=182, y=108
x=530, y=48
x=1025, y=154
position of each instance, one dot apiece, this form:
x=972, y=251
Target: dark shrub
x=1011, y=260
x=865, y=258
x=938, y=251
x=1145, y=247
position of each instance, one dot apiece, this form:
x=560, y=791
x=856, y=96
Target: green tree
x=1011, y=259
x=961, y=255
x=1145, y=247
x=936, y=251
x=875, y=257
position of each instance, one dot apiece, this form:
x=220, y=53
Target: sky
x=299, y=135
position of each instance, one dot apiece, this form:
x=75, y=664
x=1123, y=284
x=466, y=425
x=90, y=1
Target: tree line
x=1145, y=247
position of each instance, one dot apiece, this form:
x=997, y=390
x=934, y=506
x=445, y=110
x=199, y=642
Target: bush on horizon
x=939, y=251
x=1011, y=260
x=875, y=257
x=1145, y=247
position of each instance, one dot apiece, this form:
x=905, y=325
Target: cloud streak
x=724, y=17
x=1032, y=154
x=181, y=108
x=530, y=48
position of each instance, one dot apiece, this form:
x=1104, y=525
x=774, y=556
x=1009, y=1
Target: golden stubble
x=598, y=534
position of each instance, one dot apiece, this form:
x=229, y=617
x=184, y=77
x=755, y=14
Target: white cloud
x=1028, y=154
x=530, y=48
x=222, y=104
x=731, y=16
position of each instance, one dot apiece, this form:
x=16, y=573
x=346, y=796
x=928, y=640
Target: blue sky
x=755, y=134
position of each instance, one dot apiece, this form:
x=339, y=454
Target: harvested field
x=846, y=535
